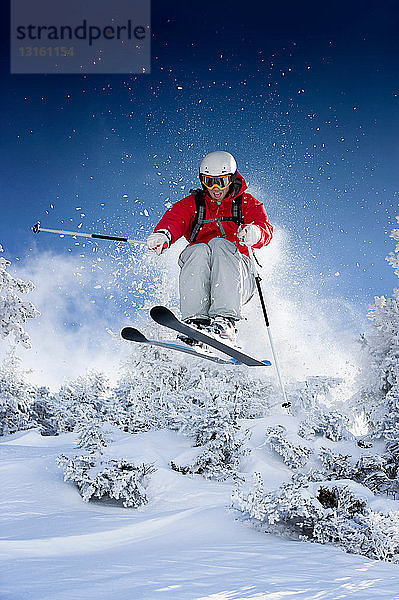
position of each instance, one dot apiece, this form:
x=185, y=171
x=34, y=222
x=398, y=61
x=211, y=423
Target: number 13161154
x=46, y=51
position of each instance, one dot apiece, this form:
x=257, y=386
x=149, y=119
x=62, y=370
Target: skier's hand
x=249, y=235
x=159, y=242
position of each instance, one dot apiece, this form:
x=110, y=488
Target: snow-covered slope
x=183, y=544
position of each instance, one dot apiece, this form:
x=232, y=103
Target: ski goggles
x=222, y=181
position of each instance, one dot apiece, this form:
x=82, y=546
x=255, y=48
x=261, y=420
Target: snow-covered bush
x=16, y=396
x=335, y=464
x=328, y=423
x=113, y=478
x=373, y=471
x=218, y=435
x=13, y=310
x=349, y=523
x=392, y=458
x=93, y=473
x=294, y=455
x=321, y=512
x=291, y=510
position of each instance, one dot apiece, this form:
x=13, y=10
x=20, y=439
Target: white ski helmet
x=218, y=163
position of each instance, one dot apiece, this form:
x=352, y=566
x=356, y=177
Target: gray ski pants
x=215, y=280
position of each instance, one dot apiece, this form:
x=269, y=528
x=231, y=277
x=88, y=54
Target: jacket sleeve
x=178, y=219
x=254, y=212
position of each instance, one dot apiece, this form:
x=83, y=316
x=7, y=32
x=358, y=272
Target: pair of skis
x=163, y=316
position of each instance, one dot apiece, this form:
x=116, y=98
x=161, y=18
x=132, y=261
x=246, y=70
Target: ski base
x=164, y=316
x=134, y=335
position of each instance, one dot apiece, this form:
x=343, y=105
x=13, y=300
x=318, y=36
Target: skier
x=219, y=221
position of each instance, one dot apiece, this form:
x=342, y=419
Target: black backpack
x=200, y=211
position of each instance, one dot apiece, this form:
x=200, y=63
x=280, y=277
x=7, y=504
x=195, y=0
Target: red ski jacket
x=179, y=219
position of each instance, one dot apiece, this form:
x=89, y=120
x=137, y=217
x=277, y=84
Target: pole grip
x=37, y=228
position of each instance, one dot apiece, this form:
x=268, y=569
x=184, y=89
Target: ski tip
x=132, y=335
x=159, y=313
x=155, y=310
x=267, y=363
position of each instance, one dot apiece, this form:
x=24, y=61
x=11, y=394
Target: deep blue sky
x=305, y=98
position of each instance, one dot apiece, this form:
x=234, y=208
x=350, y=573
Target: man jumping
x=219, y=221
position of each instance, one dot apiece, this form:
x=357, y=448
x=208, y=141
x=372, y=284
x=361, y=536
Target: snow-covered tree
x=82, y=400
x=147, y=392
x=156, y=389
x=379, y=395
x=23, y=405
x=43, y=411
x=14, y=311
x=219, y=438
x=93, y=436
x=393, y=257
x=16, y=396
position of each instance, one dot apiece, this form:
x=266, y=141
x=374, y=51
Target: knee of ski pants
x=219, y=244
x=195, y=251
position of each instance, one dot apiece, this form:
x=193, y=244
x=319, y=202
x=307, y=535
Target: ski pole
x=37, y=228
x=258, y=279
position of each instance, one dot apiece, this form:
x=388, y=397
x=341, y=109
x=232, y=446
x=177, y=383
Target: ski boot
x=225, y=329
x=202, y=324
